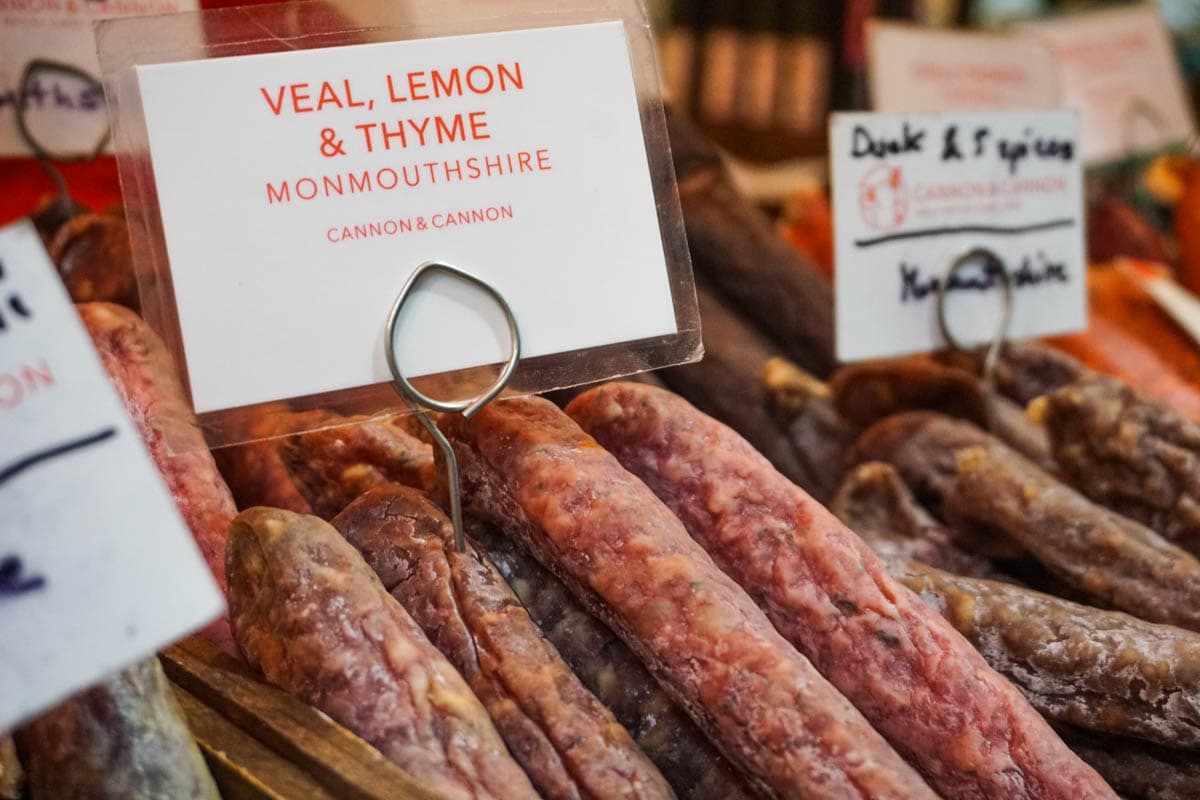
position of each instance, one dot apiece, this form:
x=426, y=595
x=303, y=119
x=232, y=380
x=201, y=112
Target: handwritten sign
x=915, y=70
x=97, y=569
x=912, y=193
x=1117, y=67
x=294, y=215
x=67, y=115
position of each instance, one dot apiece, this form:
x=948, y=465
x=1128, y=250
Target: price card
x=292, y=217
x=64, y=113
x=1118, y=68
x=919, y=70
x=97, y=568
x=912, y=193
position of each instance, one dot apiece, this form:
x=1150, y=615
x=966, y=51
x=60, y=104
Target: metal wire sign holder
x=993, y=265
x=419, y=401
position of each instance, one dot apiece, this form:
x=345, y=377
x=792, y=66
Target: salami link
x=978, y=483
x=1101, y=670
x=969, y=730
x=255, y=472
x=123, y=738
x=142, y=372
x=1137, y=770
x=870, y=391
x=569, y=744
x=874, y=503
x=1110, y=558
x=820, y=436
x=923, y=449
x=736, y=246
x=528, y=468
x=610, y=670
x=334, y=465
x=314, y=618
x=1025, y=370
x=1129, y=451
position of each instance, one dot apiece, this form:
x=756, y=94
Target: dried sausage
x=569, y=744
x=123, y=738
x=529, y=469
x=968, y=729
x=610, y=670
x=313, y=617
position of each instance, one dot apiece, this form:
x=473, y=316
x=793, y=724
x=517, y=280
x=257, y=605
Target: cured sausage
x=1139, y=771
x=334, y=465
x=969, y=730
x=1131, y=452
x=313, y=617
x=255, y=472
x=1112, y=559
x=141, y=369
x=728, y=384
x=569, y=744
x=1102, y=670
x=820, y=436
x=123, y=738
x=529, y=469
x=927, y=469
x=94, y=258
x=978, y=483
x=874, y=503
x=615, y=675
x=867, y=392
x=737, y=248
x=1025, y=370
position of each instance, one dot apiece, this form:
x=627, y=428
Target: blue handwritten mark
x=41, y=96
x=14, y=582
x=7, y=473
x=915, y=287
x=14, y=303
x=999, y=230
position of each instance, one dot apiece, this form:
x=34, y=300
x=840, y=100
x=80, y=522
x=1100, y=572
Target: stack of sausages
x=839, y=585
x=787, y=659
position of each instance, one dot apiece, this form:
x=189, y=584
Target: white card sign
x=1118, y=68
x=97, y=568
x=65, y=114
x=916, y=70
x=299, y=190
x=912, y=193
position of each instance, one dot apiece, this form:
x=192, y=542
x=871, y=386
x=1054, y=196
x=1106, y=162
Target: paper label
x=1117, y=67
x=300, y=190
x=97, y=568
x=66, y=115
x=912, y=193
x=915, y=70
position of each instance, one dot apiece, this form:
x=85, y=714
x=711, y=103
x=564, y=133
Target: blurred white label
x=914, y=70
x=912, y=193
x=1117, y=67
x=64, y=113
x=97, y=568
x=331, y=174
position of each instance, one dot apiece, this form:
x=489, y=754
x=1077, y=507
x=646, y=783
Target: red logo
x=883, y=198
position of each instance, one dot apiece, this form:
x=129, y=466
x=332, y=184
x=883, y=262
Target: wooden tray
x=263, y=744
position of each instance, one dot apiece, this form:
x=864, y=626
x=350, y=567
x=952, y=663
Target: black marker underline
x=1004, y=230
x=33, y=459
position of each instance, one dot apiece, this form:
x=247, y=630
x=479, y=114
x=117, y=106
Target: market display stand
x=263, y=744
